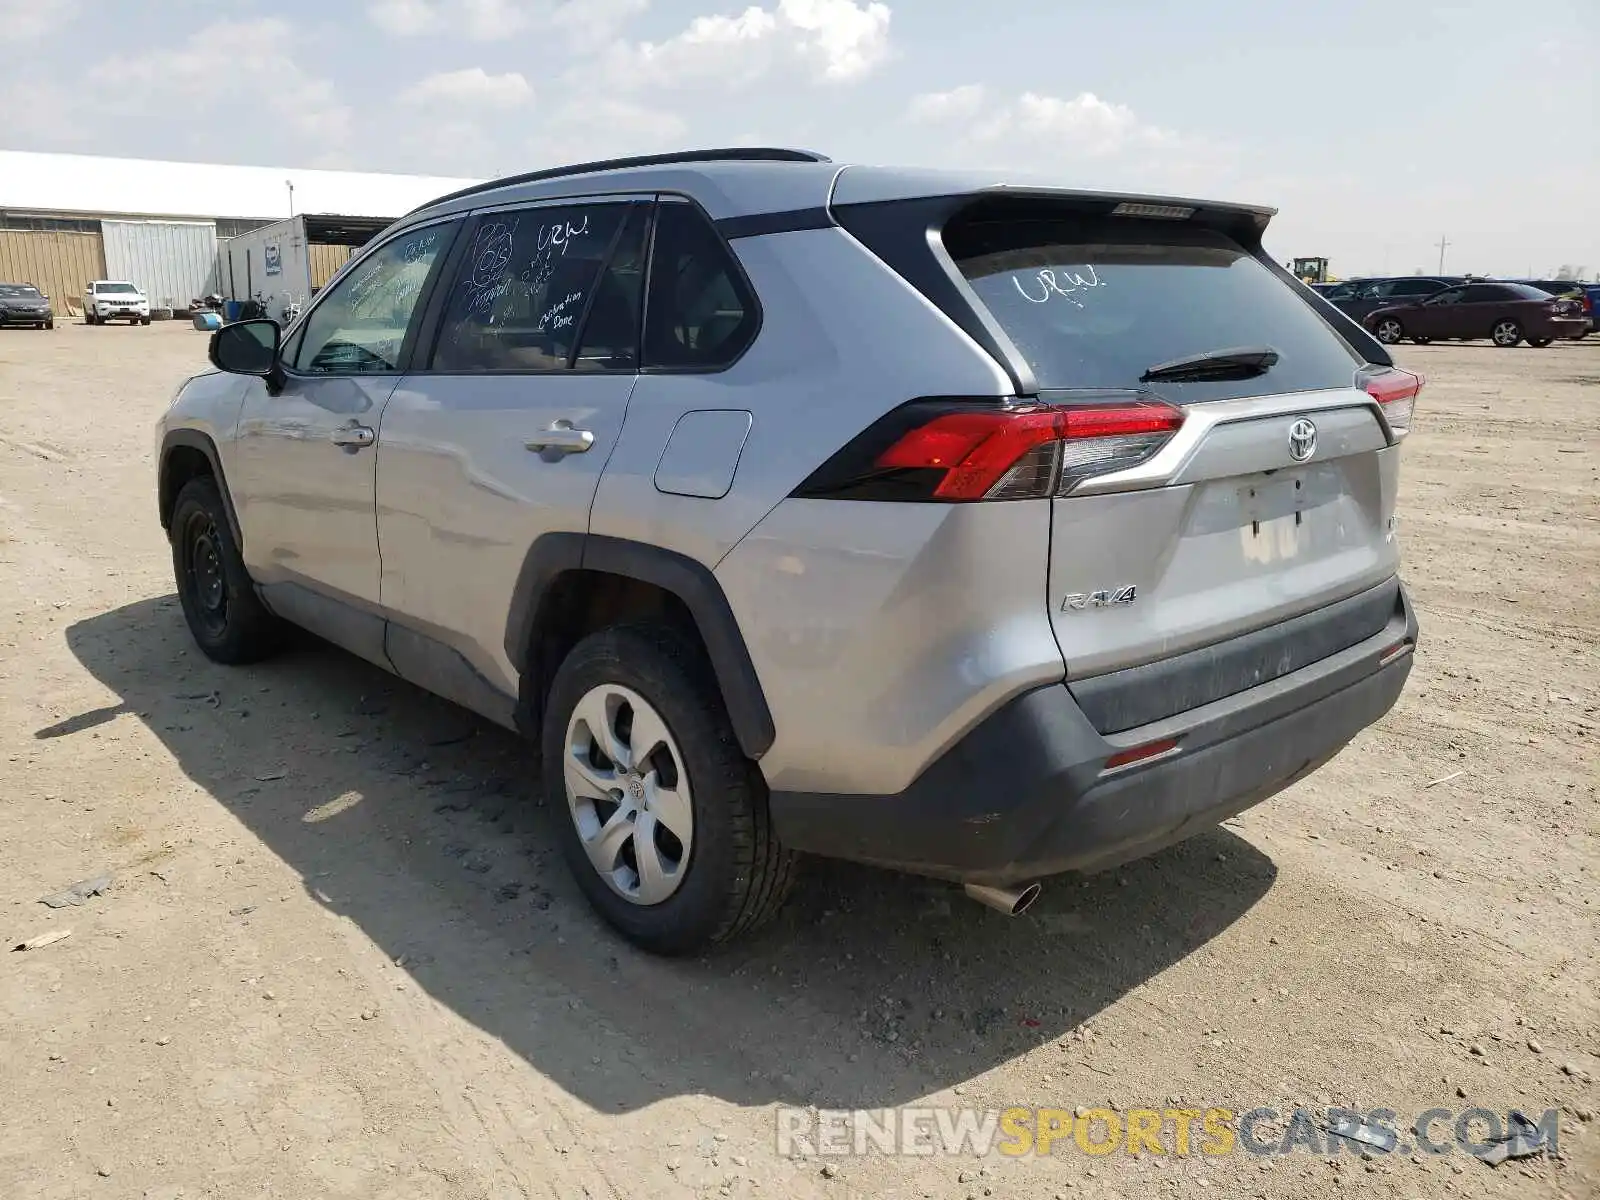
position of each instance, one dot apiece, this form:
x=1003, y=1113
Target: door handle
x=353, y=437
x=562, y=438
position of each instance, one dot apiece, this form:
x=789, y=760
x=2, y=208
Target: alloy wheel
x=1506, y=333
x=628, y=794
x=1389, y=332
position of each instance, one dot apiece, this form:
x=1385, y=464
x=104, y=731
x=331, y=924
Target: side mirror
x=246, y=348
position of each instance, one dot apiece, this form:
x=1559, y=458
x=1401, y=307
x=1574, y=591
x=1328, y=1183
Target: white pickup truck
x=114, y=300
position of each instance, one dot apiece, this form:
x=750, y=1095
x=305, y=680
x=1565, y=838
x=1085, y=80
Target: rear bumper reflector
x=1138, y=754
x=1394, y=652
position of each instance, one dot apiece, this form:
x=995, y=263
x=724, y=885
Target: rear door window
x=1096, y=302
x=524, y=287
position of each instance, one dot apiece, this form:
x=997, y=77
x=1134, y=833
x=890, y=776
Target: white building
x=66, y=219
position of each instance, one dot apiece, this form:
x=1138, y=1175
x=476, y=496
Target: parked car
x=1570, y=289
x=798, y=508
x=1506, y=313
x=24, y=304
x=114, y=300
x=1373, y=294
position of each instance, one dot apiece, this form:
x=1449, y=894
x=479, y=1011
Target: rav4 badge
x=1108, y=598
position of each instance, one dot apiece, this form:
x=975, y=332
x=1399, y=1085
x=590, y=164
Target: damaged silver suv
x=979, y=530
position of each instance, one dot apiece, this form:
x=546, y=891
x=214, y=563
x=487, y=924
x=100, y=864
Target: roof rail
x=728, y=154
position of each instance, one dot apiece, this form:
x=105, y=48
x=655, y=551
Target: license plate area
x=1276, y=497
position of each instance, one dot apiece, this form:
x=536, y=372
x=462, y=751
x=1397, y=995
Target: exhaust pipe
x=1011, y=901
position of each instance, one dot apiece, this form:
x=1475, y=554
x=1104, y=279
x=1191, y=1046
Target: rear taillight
x=953, y=451
x=1396, y=391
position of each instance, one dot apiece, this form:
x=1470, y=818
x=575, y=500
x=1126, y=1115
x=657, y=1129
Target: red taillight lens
x=1397, y=391
x=1014, y=453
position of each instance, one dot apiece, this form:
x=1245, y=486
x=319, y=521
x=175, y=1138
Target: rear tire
x=1539, y=343
x=226, y=617
x=1506, y=334
x=1389, y=331
x=1421, y=341
x=649, y=683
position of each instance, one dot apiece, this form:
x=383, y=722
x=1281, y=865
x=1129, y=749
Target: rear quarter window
x=1095, y=302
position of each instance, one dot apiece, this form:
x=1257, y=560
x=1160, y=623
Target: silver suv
x=978, y=530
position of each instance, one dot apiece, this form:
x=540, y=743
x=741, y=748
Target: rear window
x=1523, y=291
x=1096, y=302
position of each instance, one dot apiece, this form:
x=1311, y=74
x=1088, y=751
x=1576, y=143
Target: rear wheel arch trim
x=193, y=439
x=554, y=554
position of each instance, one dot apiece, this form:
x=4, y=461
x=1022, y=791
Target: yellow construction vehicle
x=1311, y=270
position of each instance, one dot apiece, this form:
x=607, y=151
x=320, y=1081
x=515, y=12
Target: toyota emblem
x=1302, y=440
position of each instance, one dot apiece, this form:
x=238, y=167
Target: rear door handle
x=562, y=438
x=353, y=437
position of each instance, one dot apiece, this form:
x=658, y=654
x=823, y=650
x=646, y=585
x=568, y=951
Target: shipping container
x=171, y=261
x=56, y=263
x=290, y=261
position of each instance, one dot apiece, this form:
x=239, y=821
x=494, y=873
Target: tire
x=1539, y=343
x=1505, y=334
x=1421, y=341
x=88, y=318
x=226, y=617
x=1389, y=331
x=721, y=871
x=49, y=324
x=144, y=320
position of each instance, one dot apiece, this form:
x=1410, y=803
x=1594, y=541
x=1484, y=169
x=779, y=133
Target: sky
x=1376, y=127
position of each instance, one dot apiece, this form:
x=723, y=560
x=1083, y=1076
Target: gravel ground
x=340, y=957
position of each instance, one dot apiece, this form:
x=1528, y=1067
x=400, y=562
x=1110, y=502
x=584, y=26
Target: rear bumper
x=1567, y=327
x=1024, y=794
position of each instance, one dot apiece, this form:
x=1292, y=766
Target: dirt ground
x=340, y=956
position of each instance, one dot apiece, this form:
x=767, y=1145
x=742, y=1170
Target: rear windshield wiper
x=1241, y=362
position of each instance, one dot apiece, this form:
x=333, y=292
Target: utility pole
x=1442, y=246
x=289, y=183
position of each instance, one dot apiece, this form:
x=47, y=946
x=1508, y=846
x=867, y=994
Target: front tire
x=226, y=617
x=663, y=820
x=1506, y=334
x=1389, y=331
x=144, y=320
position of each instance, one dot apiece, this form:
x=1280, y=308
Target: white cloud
x=1084, y=124
x=962, y=103
x=846, y=38
x=255, y=57
x=24, y=20
x=590, y=24
x=404, y=18
x=472, y=87
x=610, y=127
x=839, y=39
x=585, y=24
